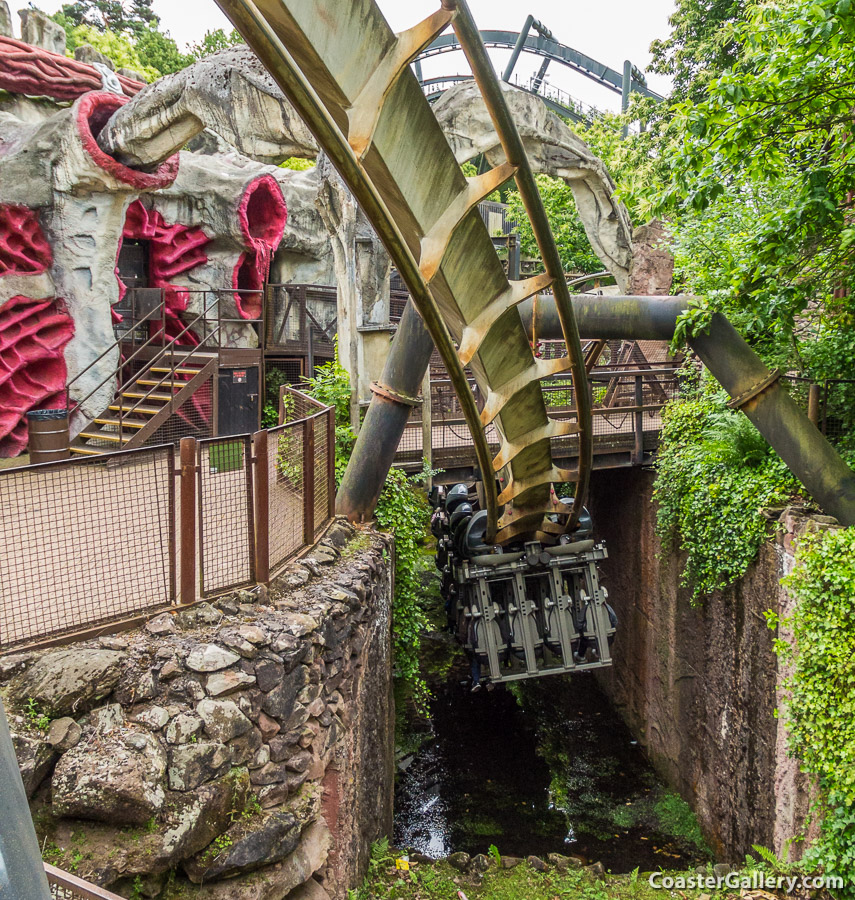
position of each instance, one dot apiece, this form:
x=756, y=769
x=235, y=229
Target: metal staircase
x=348, y=76
x=166, y=374
x=145, y=404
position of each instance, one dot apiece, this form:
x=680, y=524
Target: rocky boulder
x=276, y=882
x=35, y=760
x=246, y=846
x=111, y=779
x=40, y=30
x=192, y=764
x=69, y=682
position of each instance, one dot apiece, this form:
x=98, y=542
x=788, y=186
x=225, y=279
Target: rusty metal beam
x=386, y=418
x=739, y=370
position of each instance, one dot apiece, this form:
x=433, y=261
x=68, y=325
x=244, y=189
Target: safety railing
x=65, y=886
x=144, y=342
x=98, y=543
x=626, y=416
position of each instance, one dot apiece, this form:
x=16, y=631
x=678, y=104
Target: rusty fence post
x=308, y=480
x=187, y=580
x=813, y=404
x=638, y=454
x=261, y=490
x=331, y=462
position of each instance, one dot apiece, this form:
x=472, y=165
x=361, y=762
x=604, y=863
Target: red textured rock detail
x=33, y=336
x=262, y=214
x=172, y=250
x=24, y=250
x=91, y=112
x=25, y=69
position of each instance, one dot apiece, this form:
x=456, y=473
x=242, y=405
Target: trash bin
x=48, y=436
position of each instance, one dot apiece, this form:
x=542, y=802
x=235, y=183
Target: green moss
x=677, y=819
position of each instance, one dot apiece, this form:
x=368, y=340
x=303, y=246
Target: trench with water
x=544, y=766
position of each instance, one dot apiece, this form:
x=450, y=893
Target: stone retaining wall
x=229, y=750
x=699, y=685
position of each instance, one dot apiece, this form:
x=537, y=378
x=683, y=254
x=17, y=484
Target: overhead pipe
x=394, y=397
x=753, y=388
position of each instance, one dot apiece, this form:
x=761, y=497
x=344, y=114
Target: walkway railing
x=626, y=416
x=98, y=544
x=65, y=886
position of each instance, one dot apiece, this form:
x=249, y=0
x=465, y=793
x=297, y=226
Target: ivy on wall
x=402, y=510
x=715, y=475
x=820, y=706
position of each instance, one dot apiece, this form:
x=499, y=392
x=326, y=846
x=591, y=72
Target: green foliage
x=159, y=51
x=701, y=45
x=676, y=818
x=119, y=48
x=213, y=42
x=297, y=163
x=820, y=703
x=572, y=242
x=34, y=714
x=761, y=169
x=402, y=510
x=331, y=386
x=715, y=475
x=110, y=15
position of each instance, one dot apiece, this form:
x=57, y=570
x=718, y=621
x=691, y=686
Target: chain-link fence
x=106, y=539
x=85, y=540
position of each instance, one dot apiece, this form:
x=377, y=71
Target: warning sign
x=239, y=376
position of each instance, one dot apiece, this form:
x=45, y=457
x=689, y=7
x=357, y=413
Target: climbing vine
x=402, y=510
x=820, y=706
x=715, y=474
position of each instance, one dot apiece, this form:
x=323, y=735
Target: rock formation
x=242, y=746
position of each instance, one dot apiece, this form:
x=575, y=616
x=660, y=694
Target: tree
x=775, y=134
x=702, y=45
x=572, y=242
x=160, y=52
x=111, y=15
x=214, y=41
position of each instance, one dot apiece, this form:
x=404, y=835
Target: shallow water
x=556, y=772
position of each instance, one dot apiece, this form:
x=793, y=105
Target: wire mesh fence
x=285, y=491
x=226, y=525
x=84, y=541
x=100, y=541
x=829, y=403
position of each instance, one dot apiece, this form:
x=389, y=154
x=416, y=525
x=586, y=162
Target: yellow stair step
x=85, y=451
x=124, y=423
x=158, y=383
x=181, y=371
x=104, y=436
x=136, y=410
x=146, y=396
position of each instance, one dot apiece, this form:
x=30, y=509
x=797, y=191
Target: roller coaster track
x=348, y=76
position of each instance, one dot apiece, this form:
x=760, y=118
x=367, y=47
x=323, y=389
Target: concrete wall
x=238, y=750
x=698, y=686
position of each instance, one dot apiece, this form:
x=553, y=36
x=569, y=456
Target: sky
x=610, y=31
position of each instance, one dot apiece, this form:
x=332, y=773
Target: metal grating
x=285, y=489
x=86, y=542
x=320, y=497
x=226, y=531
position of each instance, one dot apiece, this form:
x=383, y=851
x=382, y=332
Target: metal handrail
x=115, y=345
